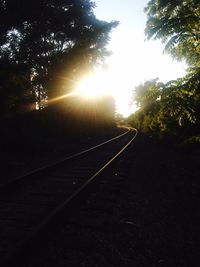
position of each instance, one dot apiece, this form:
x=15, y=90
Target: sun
x=92, y=87
x=104, y=83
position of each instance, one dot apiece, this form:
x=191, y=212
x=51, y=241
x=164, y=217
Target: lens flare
x=55, y=99
x=92, y=87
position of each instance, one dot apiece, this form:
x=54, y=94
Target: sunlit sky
x=133, y=59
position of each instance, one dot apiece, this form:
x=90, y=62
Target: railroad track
x=29, y=205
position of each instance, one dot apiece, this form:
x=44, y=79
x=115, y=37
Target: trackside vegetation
x=46, y=47
x=172, y=109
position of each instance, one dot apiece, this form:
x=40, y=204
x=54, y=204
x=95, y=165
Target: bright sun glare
x=108, y=82
x=92, y=87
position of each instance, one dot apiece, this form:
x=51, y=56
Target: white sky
x=134, y=60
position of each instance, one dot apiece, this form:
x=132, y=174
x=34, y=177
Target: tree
x=172, y=108
x=15, y=88
x=177, y=24
x=57, y=45
x=147, y=93
x=166, y=109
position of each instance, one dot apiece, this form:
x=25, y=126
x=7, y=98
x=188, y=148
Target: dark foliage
x=55, y=42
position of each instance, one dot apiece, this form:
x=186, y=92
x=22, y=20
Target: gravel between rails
x=29, y=201
x=142, y=212
x=17, y=163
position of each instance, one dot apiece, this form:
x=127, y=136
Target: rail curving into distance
x=65, y=159
x=30, y=207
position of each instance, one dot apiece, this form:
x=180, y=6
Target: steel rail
x=46, y=224
x=73, y=156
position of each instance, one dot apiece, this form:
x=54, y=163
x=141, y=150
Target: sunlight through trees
x=172, y=109
x=47, y=46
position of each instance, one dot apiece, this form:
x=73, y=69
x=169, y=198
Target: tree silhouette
x=57, y=41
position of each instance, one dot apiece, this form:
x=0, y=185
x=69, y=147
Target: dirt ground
x=143, y=212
